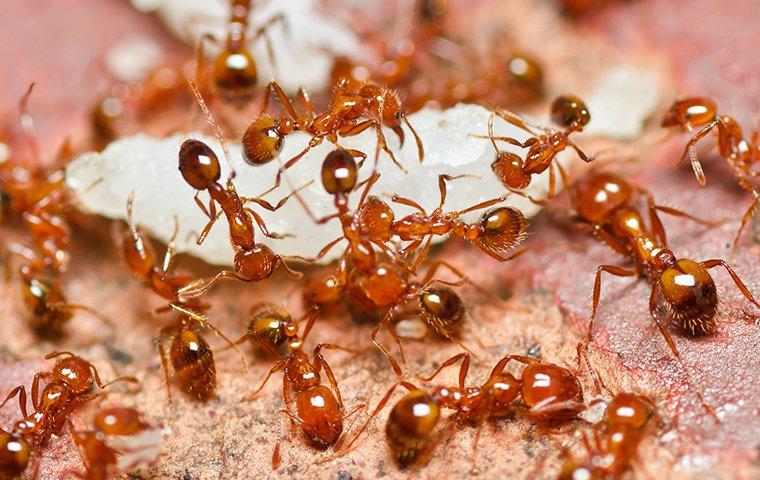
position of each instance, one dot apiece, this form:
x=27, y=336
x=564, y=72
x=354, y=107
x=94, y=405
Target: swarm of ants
x=387, y=269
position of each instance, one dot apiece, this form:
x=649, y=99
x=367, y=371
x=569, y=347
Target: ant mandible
x=740, y=153
x=603, y=205
x=263, y=139
x=547, y=393
x=319, y=410
x=567, y=111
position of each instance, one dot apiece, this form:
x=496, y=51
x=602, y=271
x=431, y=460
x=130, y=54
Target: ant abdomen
x=508, y=168
x=597, y=196
x=339, y=172
x=690, y=295
x=410, y=426
x=198, y=164
x=262, y=141
x=44, y=298
x=321, y=416
x=236, y=76
x=257, y=263
x=501, y=229
x=14, y=454
x=193, y=363
x=546, y=384
x=443, y=310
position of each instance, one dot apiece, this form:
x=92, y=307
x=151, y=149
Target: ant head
x=415, y=415
x=257, y=263
x=339, y=172
x=75, y=372
x=569, y=111
x=442, y=304
x=118, y=421
x=262, y=140
x=690, y=293
x=694, y=112
x=15, y=453
x=629, y=409
x=235, y=75
x=198, y=164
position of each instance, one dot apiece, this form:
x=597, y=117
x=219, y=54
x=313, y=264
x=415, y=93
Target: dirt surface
x=538, y=304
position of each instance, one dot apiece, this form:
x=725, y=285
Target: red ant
x=615, y=440
x=319, y=409
x=101, y=460
x=380, y=106
x=14, y=454
x=603, y=205
x=498, y=230
x=272, y=329
x=567, y=111
x=235, y=74
x=201, y=169
x=547, y=393
x=739, y=152
x=69, y=386
x=190, y=354
x=41, y=197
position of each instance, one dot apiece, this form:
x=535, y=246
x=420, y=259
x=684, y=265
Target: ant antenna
x=210, y=119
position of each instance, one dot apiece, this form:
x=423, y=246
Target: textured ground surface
x=540, y=302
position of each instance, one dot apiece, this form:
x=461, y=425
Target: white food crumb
x=149, y=167
x=622, y=101
x=133, y=57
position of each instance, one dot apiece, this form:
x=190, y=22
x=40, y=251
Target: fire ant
x=272, y=329
x=615, y=439
x=201, y=169
x=14, y=454
x=739, y=152
x=319, y=409
x=547, y=393
x=498, y=230
x=235, y=74
x=567, y=111
x=100, y=458
x=603, y=204
x=263, y=139
x=69, y=386
x=190, y=354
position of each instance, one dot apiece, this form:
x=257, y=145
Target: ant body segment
x=742, y=154
x=567, y=111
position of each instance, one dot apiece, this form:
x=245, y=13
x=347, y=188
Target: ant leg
x=552, y=182
x=409, y=386
x=613, y=270
x=261, y=32
x=322, y=363
x=27, y=125
x=303, y=95
x=512, y=141
x=738, y=281
x=580, y=153
x=263, y=226
x=463, y=369
x=21, y=392
x=103, y=386
x=519, y=121
x=422, y=255
x=417, y=140
x=213, y=217
x=278, y=177
x=582, y=353
x=84, y=308
x=275, y=368
x=294, y=274
x=198, y=287
x=408, y=202
x=373, y=336
x=274, y=87
x=165, y=362
x=691, y=151
x=169, y=254
x=748, y=215
x=204, y=323
x=442, y=186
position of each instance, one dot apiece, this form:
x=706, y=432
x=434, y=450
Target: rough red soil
x=540, y=302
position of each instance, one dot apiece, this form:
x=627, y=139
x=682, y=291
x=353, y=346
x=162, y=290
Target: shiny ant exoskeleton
x=101, y=458
x=604, y=205
x=68, y=386
x=272, y=329
x=546, y=393
x=190, y=355
x=319, y=410
x=498, y=231
x=567, y=111
x=615, y=440
x=742, y=154
x=350, y=113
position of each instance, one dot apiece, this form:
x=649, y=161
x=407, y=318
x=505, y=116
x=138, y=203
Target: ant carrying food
x=68, y=387
x=545, y=393
x=378, y=105
x=604, y=205
x=741, y=154
x=101, y=459
x=567, y=111
x=319, y=410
